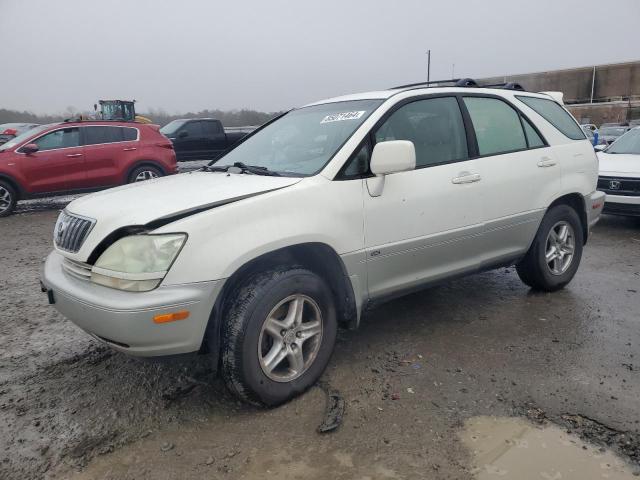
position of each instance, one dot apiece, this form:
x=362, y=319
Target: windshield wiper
x=239, y=167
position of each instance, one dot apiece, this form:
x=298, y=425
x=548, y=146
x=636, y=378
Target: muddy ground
x=417, y=369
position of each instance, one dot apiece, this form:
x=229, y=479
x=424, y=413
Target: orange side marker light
x=171, y=317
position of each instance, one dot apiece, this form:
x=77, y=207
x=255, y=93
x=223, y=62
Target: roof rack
x=461, y=82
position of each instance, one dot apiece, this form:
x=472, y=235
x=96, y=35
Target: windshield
x=172, y=127
x=612, y=131
x=303, y=141
x=627, y=143
x=22, y=137
x=117, y=110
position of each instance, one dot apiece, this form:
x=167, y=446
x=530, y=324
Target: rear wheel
x=146, y=172
x=555, y=253
x=279, y=332
x=8, y=199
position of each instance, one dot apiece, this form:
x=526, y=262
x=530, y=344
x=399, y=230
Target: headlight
x=137, y=263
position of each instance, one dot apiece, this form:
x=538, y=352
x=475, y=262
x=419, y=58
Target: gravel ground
x=414, y=372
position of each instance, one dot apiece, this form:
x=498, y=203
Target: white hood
x=144, y=202
x=625, y=165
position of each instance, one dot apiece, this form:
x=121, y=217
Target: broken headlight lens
x=137, y=263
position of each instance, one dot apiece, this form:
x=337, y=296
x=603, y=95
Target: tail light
x=168, y=146
x=10, y=131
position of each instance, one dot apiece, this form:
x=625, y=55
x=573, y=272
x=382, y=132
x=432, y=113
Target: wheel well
x=576, y=201
x=317, y=257
x=144, y=163
x=14, y=184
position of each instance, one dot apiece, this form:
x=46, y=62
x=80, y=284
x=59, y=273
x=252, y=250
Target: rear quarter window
x=129, y=134
x=557, y=116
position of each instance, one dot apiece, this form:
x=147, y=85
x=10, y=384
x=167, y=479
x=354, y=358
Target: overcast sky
x=270, y=55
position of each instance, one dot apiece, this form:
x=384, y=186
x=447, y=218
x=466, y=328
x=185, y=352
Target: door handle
x=466, y=177
x=129, y=149
x=73, y=155
x=546, y=162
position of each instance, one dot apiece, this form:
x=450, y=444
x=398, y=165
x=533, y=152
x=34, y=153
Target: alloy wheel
x=560, y=248
x=5, y=199
x=145, y=175
x=290, y=338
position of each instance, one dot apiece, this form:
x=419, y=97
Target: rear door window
x=211, y=128
x=496, y=124
x=555, y=115
x=64, y=138
x=96, y=135
x=533, y=138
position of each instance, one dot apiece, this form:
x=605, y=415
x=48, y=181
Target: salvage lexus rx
x=320, y=214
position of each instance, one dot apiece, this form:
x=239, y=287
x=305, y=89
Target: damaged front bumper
x=125, y=320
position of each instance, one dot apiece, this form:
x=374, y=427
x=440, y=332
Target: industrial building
x=594, y=94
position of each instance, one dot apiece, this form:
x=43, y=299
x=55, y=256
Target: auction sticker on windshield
x=339, y=117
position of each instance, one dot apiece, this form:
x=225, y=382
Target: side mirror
x=600, y=148
x=30, y=148
x=390, y=157
x=183, y=134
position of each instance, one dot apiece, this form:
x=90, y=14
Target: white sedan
x=619, y=174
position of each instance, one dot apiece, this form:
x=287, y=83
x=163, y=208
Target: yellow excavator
x=119, y=110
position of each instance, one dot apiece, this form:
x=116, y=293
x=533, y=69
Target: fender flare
x=22, y=193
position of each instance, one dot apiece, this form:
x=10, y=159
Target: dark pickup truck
x=202, y=138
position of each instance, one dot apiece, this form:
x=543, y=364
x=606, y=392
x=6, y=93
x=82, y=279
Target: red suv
x=75, y=157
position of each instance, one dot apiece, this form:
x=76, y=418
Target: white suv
x=320, y=214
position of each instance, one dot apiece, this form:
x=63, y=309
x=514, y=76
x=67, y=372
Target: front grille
x=628, y=187
x=79, y=270
x=71, y=231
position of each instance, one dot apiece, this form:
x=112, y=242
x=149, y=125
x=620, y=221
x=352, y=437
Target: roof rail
x=505, y=86
x=432, y=82
x=462, y=82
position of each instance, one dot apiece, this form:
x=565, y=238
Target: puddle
x=512, y=448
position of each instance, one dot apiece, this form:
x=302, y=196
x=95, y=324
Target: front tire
x=8, y=199
x=556, y=251
x=278, y=335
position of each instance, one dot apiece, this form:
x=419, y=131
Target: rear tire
x=554, y=255
x=8, y=199
x=278, y=335
x=146, y=172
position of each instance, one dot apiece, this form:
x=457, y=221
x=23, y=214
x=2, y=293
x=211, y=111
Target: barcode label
x=339, y=117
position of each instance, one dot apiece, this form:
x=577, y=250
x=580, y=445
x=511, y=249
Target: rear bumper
x=622, y=205
x=124, y=320
x=594, y=203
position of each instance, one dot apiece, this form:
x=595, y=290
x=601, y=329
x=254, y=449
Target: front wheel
x=278, y=335
x=554, y=255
